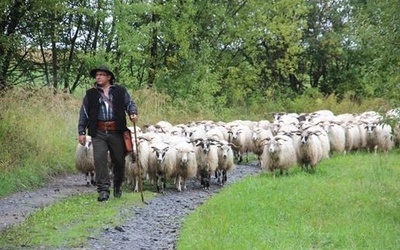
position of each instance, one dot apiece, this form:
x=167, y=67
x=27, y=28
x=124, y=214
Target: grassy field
x=351, y=202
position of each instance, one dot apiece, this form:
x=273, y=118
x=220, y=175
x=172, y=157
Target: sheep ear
x=280, y=139
x=198, y=142
x=213, y=142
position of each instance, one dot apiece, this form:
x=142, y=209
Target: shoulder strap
x=106, y=98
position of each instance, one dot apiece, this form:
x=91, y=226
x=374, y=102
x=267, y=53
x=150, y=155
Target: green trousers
x=107, y=145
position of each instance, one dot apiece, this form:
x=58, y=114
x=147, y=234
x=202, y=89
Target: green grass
x=70, y=222
x=351, y=202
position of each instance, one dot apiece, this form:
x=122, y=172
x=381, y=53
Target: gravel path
x=153, y=226
x=15, y=208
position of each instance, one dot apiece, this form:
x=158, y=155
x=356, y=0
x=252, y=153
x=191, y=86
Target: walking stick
x=138, y=163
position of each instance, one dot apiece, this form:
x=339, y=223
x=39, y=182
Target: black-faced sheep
x=207, y=159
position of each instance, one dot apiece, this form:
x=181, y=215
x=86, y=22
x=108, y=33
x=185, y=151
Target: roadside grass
x=350, y=202
x=71, y=222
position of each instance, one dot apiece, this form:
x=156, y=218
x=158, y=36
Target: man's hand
x=133, y=117
x=82, y=139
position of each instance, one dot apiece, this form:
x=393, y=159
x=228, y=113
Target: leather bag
x=128, y=141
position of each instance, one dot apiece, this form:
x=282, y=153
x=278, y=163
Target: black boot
x=117, y=192
x=103, y=196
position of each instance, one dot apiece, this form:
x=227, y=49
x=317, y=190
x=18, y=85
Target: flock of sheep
x=201, y=149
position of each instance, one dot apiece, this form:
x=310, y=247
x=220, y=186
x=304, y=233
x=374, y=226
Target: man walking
x=103, y=115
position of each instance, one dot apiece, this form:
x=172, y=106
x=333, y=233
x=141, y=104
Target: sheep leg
x=92, y=181
x=218, y=176
x=224, y=177
x=87, y=178
x=178, y=183
x=159, y=187
x=184, y=184
x=240, y=156
x=136, y=188
x=205, y=179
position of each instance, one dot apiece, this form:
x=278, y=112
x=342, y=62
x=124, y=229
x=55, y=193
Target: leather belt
x=107, y=126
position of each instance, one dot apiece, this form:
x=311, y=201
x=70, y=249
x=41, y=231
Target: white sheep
x=217, y=133
x=336, y=135
x=225, y=161
x=353, y=136
x=194, y=132
x=322, y=112
x=162, y=163
x=379, y=137
x=163, y=126
x=343, y=118
x=265, y=124
x=186, y=164
x=324, y=138
x=296, y=140
x=151, y=137
x=259, y=137
x=241, y=136
x=84, y=160
x=286, y=117
x=207, y=160
x=311, y=149
x=279, y=154
x=133, y=174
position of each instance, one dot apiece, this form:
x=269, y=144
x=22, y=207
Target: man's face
x=102, y=77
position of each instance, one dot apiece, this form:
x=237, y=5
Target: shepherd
x=102, y=114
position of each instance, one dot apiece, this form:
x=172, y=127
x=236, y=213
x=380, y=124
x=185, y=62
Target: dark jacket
x=118, y=106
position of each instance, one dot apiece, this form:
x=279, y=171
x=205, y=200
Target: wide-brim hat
x=102, y=68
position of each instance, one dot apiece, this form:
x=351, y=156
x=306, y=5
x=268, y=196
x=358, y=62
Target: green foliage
x=218, y=53
x=350, y=202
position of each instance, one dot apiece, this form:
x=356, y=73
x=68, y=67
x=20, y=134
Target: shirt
x=106, y=112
